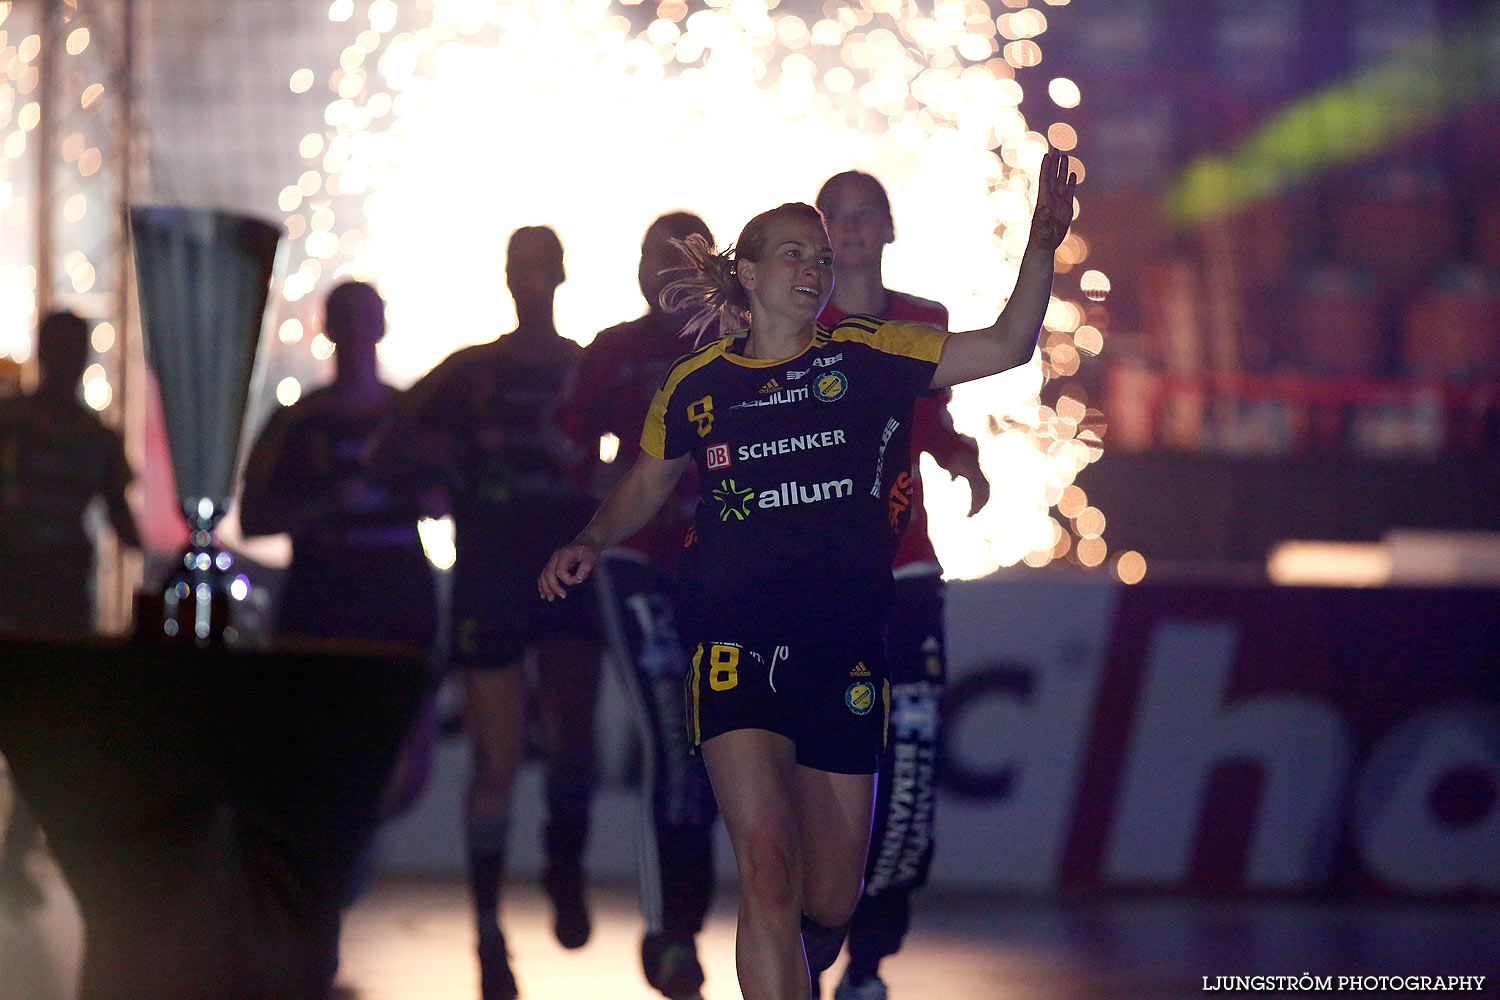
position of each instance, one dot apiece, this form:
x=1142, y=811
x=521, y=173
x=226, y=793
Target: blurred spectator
x=56, y=459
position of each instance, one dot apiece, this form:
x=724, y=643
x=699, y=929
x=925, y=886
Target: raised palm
x=1054, y=202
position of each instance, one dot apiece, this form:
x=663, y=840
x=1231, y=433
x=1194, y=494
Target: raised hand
x=1054, y=202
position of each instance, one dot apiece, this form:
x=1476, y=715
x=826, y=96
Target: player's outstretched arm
x=1010, y=341
x=626, y=510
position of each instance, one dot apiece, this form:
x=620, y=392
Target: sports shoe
x=564, y=886
x=866, y=989
x=671, y=966
x=496, y=981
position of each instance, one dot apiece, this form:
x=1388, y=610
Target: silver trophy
x=204, y=277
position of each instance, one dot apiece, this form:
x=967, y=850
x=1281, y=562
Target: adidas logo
x=860, y=670
x=771, y=386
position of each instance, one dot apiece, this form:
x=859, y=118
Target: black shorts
x=497, y=611
x=915, y=641
x=379, y=592
x=832, y=700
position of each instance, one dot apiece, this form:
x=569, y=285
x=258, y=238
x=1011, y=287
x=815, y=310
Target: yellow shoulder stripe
x=912, y=340
x=654, y=430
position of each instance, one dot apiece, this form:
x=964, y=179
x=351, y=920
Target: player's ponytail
x=711, y=288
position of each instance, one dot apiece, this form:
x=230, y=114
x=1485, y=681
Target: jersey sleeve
x=669, y=429
x=921, y=346
x=657, y=437
x=913, y=348
x=901, y=338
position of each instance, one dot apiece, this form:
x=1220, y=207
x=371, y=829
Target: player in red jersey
x=858, y=214
x=608, y=395
x=786, y=589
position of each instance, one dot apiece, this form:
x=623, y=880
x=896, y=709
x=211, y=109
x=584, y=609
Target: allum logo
x=776, y=398
x=734, y=500
x=788, y=494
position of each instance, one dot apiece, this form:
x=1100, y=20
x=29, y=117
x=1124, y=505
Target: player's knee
x=768, y=874
x=832, y=904
x=490, y=783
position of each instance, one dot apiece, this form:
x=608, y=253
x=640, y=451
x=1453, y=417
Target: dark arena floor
x=411, y=938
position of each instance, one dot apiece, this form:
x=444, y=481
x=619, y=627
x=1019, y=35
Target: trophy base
x=194, y=605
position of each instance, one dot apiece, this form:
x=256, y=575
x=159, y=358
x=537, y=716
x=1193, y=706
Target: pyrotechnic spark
x=594, y=117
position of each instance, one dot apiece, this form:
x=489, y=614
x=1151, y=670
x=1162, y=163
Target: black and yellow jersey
x=484, y=419
x=797, y=458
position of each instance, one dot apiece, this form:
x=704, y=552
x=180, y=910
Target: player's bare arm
x=627, y=509
x=1009, y=342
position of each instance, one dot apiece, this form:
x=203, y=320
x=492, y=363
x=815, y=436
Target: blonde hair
x=713, y=286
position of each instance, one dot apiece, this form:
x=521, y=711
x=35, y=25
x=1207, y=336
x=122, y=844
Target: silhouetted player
x=609, y=395
x=56, y=457
x=858, y=214
x=358, y=569
x=482, y=424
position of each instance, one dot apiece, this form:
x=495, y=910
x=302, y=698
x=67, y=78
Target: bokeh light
x=1064, y=93
x=102, y=339
x=288, y=391
x=1095, y=285
x=1130, y=567
x=1063, y=136
x=609, y=448
x=437, y=541
x=98, y=393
